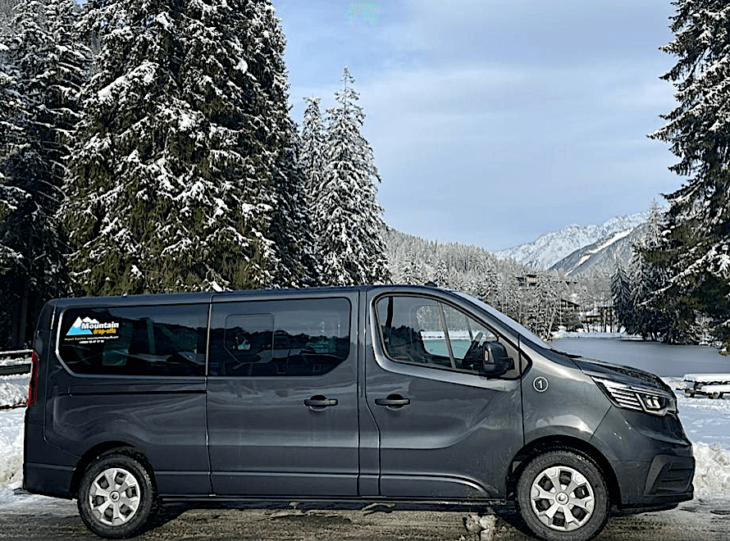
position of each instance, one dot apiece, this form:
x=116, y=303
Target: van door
x=445, y=430
x=282, y=396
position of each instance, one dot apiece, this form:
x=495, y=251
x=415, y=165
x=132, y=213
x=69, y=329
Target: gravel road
x=46, y=519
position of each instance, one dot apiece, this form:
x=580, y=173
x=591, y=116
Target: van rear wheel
x=562, y=496
x=116, y=496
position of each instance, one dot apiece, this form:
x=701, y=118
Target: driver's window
x=412, y=331
x=465, y=335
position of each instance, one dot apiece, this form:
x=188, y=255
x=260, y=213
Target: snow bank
x=13, y=390
x=11, y=452
x=712, y=470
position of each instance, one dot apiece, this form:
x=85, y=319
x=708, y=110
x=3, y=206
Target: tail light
x=33, y=387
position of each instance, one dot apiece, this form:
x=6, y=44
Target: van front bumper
x=663, y=482
x=652, y=458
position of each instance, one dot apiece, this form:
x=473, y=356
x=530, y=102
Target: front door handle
x=393, y=401
x=319, y=402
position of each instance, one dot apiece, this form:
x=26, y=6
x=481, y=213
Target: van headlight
x=638, y=398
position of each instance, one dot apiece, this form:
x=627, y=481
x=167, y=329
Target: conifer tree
x=646, y=277
x=291, y=226
x=623, y=302
x=411, y=272
x=312, y=152
x=44, y=67
x=696, y=255
x=173, y=184
x=441, y=274
x=7, y=12
x=348, y=220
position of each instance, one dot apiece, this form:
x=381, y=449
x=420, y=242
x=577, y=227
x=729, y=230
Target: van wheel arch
x=562, y=443
x=107, y=448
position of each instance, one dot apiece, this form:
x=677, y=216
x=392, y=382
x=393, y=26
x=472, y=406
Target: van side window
x=463, y=332
x=413, y=331
x=249, y=340
x=137, y=341
x=303, y=337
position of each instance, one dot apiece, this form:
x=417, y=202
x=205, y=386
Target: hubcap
x=562, y=498
x=114, y=496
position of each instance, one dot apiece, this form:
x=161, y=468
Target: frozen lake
x=661, y=359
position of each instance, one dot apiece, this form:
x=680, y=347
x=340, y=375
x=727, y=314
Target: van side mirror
x=495, y=361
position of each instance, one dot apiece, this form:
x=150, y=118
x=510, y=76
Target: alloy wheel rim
x=562, y=498
x=114, y=496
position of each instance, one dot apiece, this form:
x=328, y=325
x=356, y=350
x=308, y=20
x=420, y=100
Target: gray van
x=386, y=393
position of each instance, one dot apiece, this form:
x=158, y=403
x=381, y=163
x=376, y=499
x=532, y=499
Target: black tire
x=125, y=511
x=588, y=485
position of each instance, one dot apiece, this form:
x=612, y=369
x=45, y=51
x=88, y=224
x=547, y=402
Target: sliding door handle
x=319, y=402
x=393, y=401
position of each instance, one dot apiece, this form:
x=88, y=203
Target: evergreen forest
x=149, y=147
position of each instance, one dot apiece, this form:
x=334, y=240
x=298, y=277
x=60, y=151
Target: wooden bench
x=710, y=385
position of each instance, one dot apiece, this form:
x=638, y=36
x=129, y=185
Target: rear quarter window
x=134, y=341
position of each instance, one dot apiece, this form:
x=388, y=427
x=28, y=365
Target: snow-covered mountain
x=603, y=254
x=550, y=248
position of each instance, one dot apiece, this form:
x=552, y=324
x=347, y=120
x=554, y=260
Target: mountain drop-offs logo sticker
x=368, y=9
x=88, y=330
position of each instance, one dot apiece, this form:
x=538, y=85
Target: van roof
x=206, y=297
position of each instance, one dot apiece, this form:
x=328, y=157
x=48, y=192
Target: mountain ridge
x=551, y=248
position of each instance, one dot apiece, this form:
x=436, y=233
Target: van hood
x=621, y=374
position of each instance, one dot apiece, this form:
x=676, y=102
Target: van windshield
x=509, y=322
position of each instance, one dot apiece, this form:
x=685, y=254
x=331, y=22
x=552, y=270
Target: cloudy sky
x=494, y=121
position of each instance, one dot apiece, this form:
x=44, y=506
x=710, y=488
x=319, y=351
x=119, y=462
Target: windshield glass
x=511, y=323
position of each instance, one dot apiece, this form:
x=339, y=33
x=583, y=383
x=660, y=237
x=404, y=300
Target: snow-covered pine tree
x=348, y=220
x=411, y=271
x=623, y=302
x=441, y=275
x=291, y=224
x=696, y=255
x=173, y=179
x=6, y=16
x=45, y=65
x=292, y=227
x=645, y=278
x=312, y=151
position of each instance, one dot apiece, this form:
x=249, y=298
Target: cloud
x=501, y=119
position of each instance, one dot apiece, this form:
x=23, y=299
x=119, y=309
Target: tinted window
x=139, y=341
x=307, y=337
x=412, y=330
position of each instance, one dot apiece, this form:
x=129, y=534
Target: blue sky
x=494, y=121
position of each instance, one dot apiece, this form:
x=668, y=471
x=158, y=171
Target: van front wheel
x=562, y=496
x=116, y=496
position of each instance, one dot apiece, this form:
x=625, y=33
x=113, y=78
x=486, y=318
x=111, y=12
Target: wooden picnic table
x=710, y=385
